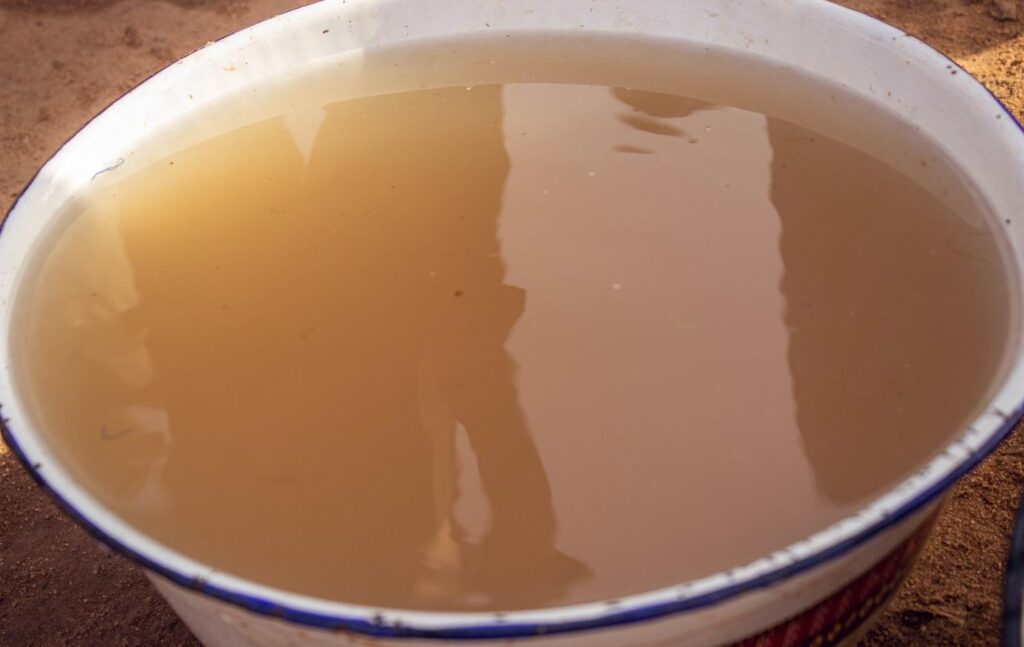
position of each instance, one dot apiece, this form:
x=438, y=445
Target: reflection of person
x=878, y=312
x=382, y=331
x=447, y=168
x=869, y=358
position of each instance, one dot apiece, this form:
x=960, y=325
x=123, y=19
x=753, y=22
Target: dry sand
x=61, y=61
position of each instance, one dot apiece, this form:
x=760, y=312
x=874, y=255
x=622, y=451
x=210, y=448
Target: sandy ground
x=61, y=61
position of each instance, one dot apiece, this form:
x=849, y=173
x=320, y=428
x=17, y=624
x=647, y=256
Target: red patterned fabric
x=839, y=615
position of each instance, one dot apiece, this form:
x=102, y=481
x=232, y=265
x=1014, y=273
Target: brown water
x=505, y=346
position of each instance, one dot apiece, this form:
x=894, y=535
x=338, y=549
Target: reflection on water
x=895, y=329
x=336, y=312
x=657, y=104
x=652, y=111
x=494, y=347
x=876, y=303
x=451, y=270
x=652, y=352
